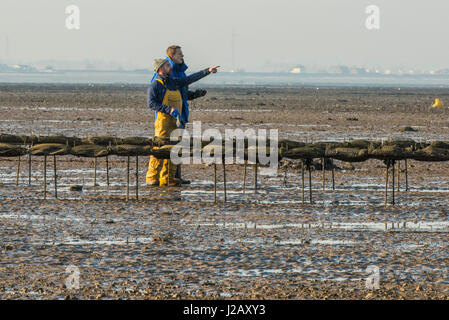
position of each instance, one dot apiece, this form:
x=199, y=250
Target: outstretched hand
x=213, y=69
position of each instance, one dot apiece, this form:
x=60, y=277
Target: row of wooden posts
x=305, y=164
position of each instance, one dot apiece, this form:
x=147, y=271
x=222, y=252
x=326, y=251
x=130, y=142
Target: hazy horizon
x=267, y=34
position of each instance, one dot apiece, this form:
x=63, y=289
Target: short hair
x=172, y=50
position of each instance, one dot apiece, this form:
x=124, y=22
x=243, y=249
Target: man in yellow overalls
x=165, y=99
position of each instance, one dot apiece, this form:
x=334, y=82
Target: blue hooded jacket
x=178, y=72
x=156, y=90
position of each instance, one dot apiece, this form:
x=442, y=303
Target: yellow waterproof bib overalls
x=163, y=127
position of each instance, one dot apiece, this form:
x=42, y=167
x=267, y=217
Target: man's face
x=166, y=69
x=178, y=56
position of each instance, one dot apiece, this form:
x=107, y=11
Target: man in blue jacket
x=164, y=97
x=176, y=59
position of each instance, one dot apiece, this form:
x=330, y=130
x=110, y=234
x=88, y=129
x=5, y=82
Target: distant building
x=298, y=69
x=22, y=68
x=356, y=70
x=442, y=71
x=45, y=69
x=340, y=70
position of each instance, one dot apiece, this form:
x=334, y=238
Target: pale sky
x=413, y=33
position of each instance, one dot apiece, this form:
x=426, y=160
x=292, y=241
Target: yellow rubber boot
x=163, y=179
x=154, y=169
x=437, y=104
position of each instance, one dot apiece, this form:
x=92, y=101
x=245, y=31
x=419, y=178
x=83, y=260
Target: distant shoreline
x=234, y=79
x=219, y=86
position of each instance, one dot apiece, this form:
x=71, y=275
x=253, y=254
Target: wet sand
x=176, y=243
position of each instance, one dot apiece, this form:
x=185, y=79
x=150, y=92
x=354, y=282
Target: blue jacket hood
x=177, y=68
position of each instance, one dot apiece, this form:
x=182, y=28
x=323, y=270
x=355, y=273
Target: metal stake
x=29, y=168
x=333, y=174
x=302, y=179
x=18, y=171
x=107, y=170
x=45, y=177
x=215, y=182
x=324, y=173
x=127, y=179
x=406, y=176
x=95, y=172
x=310, y=182
x=137, y=177
x=285, y=176
x=392, y=167
x=255, y=177
x=244, y=177
x=56, y=177
x=224, y=179
x=387, y=164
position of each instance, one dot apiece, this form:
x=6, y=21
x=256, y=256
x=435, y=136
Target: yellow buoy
x=437, y=104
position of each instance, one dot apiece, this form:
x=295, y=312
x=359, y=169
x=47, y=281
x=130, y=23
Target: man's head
x=175, y=53
x=162, y=67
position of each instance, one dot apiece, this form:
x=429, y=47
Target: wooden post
x=324, y=173
x=127, y=179
x=333, y=174
x=302, y=179
x=392, y=167
x=399, y=174
x=18, y=171
x=244, y=176
x=224, y=179
x=406, y=176
x=255, y=177
x=107, y=170
x=55, y=176
x=45, y=177
x=137, y=177
x=29, y=168
x=215, y=182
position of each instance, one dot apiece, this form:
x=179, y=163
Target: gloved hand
x=199, y=93
x=174, y=113
x=180, y=123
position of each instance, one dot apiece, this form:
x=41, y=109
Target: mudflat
x=176, y=243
